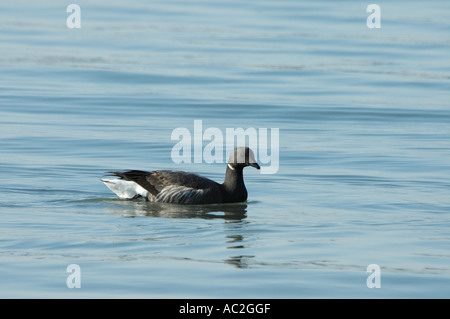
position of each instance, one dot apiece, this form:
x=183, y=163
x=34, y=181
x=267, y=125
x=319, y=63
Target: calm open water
x=364, y=172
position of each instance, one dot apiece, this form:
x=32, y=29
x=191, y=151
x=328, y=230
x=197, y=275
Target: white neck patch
x=231, y=167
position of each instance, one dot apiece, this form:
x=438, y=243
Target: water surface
x=364, y=142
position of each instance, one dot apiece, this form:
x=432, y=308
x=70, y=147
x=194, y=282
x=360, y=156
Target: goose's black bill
x=255, y=165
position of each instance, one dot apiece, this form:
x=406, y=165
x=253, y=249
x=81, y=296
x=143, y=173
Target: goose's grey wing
x=183, y=188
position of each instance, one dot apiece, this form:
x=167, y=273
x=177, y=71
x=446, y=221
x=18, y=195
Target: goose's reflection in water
x=135, y=208
x=234, y=226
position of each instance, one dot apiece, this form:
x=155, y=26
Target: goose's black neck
x=233, y=188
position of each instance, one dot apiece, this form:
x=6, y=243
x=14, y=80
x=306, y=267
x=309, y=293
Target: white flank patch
x=179, y=195
x=124, y=189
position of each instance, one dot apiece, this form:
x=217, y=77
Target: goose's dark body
x=188, y=188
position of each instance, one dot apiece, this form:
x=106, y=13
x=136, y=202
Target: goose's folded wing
x=162, y=178
x=183, y=188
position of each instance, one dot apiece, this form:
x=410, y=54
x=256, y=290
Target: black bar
x=220, y=308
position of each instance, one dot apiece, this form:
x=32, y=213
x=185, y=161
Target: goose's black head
x=242, y=157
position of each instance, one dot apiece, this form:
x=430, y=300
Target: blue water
x=364, y=148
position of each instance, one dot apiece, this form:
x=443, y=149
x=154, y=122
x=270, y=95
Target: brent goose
x=166, y=186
